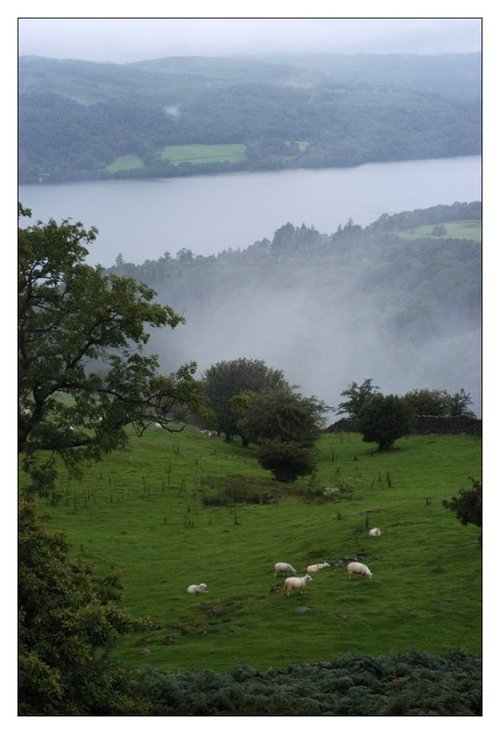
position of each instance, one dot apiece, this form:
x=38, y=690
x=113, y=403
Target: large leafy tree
x=69, y=621
x=284, y=425
x=225, y=381
x=283, y=414
x=383, y=419
x=83, y=376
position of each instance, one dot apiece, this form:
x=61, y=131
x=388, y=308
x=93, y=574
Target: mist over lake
x=141, y=219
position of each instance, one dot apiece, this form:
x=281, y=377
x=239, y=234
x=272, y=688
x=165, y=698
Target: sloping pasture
x=141, y=512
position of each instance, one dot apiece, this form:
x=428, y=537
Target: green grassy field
x=141, y=512
x=125, y=162
x=204, y=153
x=461, y=230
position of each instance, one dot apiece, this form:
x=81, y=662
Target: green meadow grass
x=232, y=153
x=461, y=230
x=125, y=162
x=140, y=512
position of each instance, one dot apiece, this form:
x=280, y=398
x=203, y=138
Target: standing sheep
x=359, y=568
x=296, y=582
x=283, y=568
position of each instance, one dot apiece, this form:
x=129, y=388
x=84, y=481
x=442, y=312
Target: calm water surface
x=208, y=214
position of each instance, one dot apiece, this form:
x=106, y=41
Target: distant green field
x=141, y=512
x=204, y=153
x=125, y=162
x=465, y=229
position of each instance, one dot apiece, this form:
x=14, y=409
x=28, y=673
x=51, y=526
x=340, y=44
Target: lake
x=141, y=219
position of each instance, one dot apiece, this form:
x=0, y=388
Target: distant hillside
x=449, y=75
x=85, y=120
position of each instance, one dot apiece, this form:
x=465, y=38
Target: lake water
x=141, y=219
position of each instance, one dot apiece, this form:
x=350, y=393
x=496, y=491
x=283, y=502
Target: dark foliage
x=69, y=621
x=287, y=460
x=225, y=381
x=468, y=504
x=439, y=403
x=399, y=684
x=383, y=419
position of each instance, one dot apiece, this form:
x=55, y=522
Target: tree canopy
x=283, y=414
x=357, y=396
x=82, y=374
x=284, y=425
x=226, y=384
x=383, y=419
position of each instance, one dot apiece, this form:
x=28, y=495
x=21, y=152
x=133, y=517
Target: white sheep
x=283, y=568
x=296, y=582
x=355, y=567
x=375, y=532
x=315, y=567
x=158, y=426
x=196, y=589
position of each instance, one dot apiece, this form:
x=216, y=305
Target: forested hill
x=398, y=301
x=177, y=116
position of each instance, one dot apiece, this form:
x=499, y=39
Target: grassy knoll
x=176, y=154
x=460, y=230
x=141, y=511
x=125, y=162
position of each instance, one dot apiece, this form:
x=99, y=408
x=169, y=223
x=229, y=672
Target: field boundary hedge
x=425, y=424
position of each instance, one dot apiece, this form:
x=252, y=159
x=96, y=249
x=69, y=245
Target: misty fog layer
x=324, y=351
x=348, y=307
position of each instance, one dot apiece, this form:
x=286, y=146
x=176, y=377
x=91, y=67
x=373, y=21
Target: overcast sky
x=134, y=39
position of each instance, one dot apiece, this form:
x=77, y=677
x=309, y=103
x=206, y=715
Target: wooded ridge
x=86, y=120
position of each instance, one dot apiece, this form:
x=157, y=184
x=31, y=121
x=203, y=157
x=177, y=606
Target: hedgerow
x=398, y=684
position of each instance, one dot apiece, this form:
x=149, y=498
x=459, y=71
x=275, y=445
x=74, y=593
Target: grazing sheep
x=315, y=567
x=283, y=568
x=196, y=589
x=355, y=567
x=296, y=582
x=158, y=426
x=375, y=532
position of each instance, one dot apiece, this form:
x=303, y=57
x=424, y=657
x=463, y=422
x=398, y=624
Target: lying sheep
x=375, y=532
x=315, y=567
x=283, y=568
x=196, y=589
x=356, y=567
x=158, y=426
